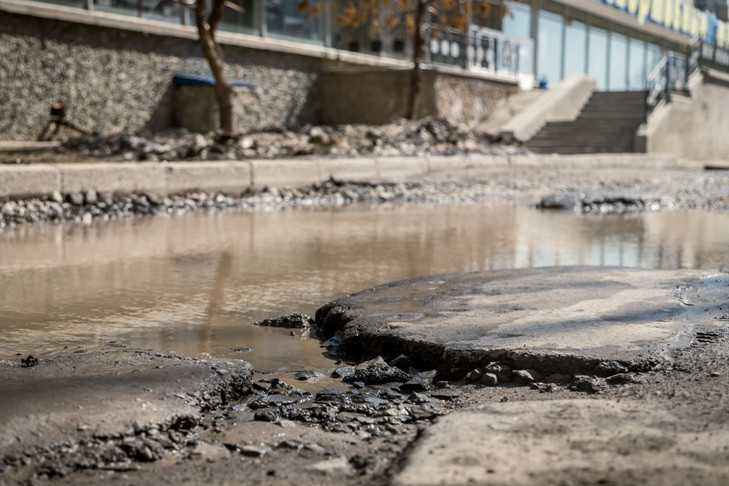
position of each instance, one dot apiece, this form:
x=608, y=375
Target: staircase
x=607, y=123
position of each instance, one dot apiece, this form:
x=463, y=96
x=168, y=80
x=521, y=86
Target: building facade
x=616, y=41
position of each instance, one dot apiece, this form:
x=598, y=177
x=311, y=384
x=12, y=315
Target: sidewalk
x=163, y=178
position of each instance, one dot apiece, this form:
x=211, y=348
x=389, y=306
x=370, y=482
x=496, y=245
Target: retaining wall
x=377, y=96
x=116, y=79
x=115, y=72
x=693, y=127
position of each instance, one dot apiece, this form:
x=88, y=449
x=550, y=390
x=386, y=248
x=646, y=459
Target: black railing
x=671, y=74
x=482, y=50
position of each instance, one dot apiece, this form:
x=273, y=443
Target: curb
x=22, y=181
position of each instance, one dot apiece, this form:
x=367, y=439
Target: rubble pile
x=433, y=136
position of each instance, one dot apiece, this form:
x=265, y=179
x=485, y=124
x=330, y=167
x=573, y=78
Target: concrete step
x=609, y=109
x=594, y=124
x=606, y=149
x=618, y=95
x=608, y=123
x=559, y=147
x=568, y=134
x=581, y=132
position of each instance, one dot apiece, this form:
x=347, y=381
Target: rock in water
x=292, y=321
x=29, y=362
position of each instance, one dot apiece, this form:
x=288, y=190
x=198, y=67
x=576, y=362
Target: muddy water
x=195, y=283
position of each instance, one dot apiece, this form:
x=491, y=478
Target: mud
x=376, y=434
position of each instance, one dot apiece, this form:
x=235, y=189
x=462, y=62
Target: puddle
x=194, y=284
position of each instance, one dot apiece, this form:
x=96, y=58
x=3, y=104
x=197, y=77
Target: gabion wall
x=114, y=80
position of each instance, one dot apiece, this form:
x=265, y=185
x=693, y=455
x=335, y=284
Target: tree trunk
x=214, y=55
x=418, y=51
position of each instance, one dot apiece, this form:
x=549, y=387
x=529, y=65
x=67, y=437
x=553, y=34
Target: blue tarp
x=193, y=80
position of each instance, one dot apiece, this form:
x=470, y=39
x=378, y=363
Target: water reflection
x=193, y=283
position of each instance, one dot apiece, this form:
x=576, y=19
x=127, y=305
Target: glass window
x=70, y=3
x=637, y=72
x=617, y=78
x=549, y=47
x=655, y=53
x=574, y=49
x=283, y=19
x=597, y=64
x=518, y=22
x=240, y=19
x=167, y=10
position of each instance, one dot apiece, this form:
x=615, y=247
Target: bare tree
x=421, y=18
x=207, y=17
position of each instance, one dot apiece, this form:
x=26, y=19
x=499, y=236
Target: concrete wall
x=115, y=79
x=692, y=127
x=375, y=96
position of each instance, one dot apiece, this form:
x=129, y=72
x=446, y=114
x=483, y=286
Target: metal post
x=607, y=57
x=588, y=28
x=327, y=24
x=89, y=5
x=534, y=33
x=259, y=7
x=667, y=85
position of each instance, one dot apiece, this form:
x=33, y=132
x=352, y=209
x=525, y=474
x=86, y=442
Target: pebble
x=253, y=451
x=489, y=379
x=526, y=376
x=80, y=207
x=420, y=382
x=241, y=350
x=307, y=375
x=447, y=394
x=587, y=384
x=29, y=362
x=377, y=371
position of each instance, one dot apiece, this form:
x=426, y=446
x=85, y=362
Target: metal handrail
x=671, y=74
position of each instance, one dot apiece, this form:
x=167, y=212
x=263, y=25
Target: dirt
x=226, y=444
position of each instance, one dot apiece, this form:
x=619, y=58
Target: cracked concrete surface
x=563, y=319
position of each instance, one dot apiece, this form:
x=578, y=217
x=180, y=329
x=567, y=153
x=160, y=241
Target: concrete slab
x=232, y=177
x=107, y=394
x=26, y=146
x=348, y=169
x=566, y=442
x=401, y=166
x=562, y=319
x=124, y=177
x=445, y=163
x=280, y=173
x=28, y=180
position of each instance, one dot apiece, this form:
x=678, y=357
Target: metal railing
x=673, y=71
x=483, y=50
x=671, y=75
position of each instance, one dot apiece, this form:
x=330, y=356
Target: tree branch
x=215, y=13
